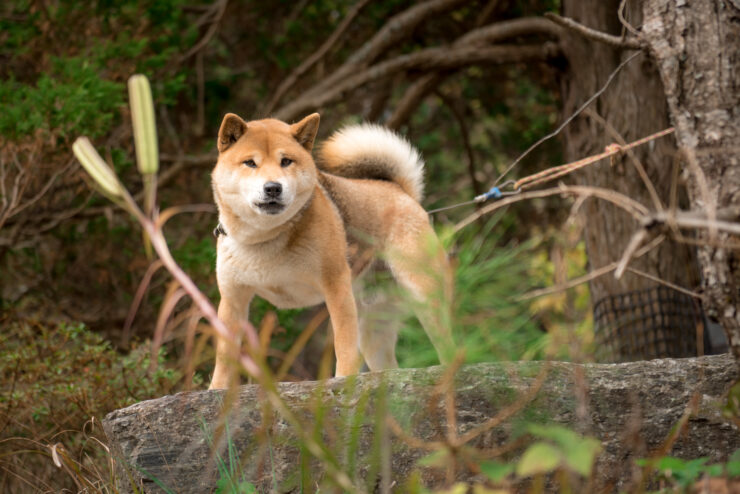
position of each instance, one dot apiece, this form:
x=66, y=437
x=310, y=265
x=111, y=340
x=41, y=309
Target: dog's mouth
x=271, y=207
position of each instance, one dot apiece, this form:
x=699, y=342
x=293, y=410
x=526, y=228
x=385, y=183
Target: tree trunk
x=696, y=46
x=633, y=106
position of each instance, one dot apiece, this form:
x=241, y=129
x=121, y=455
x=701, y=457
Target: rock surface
x=180, y=441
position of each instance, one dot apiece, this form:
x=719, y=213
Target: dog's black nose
x=273, y=189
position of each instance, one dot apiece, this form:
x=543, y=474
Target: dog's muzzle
x=272, y=193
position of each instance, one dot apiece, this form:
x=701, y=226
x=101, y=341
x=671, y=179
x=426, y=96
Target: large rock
x=181, y=440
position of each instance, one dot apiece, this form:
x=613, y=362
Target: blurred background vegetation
x=74, y=346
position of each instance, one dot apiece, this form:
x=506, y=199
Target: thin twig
x=219, y=8
x=413, y=96
x=429, y=59
x=587, y=277
x=637, y=238
x=694, y=220
x=627, y=25
x=634, y=208
x=631, y=154
x=410, y=440
x=595, y=35
x=569, y=119
x=666, y=283
x=510, y=410
x=465, y=135
x=289, y=81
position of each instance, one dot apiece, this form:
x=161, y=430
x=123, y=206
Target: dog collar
x=219, y=230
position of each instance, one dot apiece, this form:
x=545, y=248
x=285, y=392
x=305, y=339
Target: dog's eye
x=250, y=163
x=285, y=162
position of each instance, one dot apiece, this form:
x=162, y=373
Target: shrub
x=55, y=378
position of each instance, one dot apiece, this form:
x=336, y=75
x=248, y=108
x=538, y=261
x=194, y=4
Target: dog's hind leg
x=419, y=263
x=379, y=323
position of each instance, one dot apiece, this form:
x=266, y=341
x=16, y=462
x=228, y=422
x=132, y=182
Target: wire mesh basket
x=646, y=324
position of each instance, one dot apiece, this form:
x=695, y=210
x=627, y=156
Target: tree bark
x=631, y=408
x=697, y=49
x=633, y=106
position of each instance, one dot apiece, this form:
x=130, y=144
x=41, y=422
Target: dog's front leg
x=234, y=312
x=340, y=302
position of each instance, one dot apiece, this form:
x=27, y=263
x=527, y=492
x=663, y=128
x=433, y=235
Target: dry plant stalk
x=108, y=182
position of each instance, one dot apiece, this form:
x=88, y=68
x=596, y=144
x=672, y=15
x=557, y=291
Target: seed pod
x=145, y=132
x=97, y=167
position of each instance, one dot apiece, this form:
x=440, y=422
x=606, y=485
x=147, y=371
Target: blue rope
x=493, y=193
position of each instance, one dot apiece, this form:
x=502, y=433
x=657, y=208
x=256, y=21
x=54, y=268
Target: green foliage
x=198, y=258
x=565, y=447
x=70, y=99
x=487, y=322
x=683, y=473
x=56, y=382
x=539, y=458
x=231, y=479
x=496, y=471
x=76, y=87
x=57, y=377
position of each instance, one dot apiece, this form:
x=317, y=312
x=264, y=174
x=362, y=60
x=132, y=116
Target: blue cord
x=494, y=193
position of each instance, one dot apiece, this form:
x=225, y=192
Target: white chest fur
x=286, y=277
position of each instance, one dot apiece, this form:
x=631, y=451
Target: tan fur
x=298, y=253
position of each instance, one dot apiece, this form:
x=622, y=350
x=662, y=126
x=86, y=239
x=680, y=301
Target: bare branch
x=494, y=33
x=487, y=11
x=569, y=119
x=429, y=59
x=631, y=154
x=414, y=95
x=194, y=160
x=634, y=208
x=488, y=34
x=595, y=35
x=695, y=220
x=218, y=11
x=465, y=135
x=627, y=25
x=637, y=238
x=313, y=59
x=661, y=281
x=398, y=27
x=588, y=277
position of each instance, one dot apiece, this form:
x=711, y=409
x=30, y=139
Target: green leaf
x=642, y=462
x=733, y=464
x=733, y=469
x=668, y=464
x=437, y=458
x=565, y=438
x=458, y=488
x=579, y=451
x=539, y=458
x=682, y=471
x=580, y=458
x=714, y=470
x=496, y=471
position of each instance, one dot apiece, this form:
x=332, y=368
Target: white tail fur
x=372, y=151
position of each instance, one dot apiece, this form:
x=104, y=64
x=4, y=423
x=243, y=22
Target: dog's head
x=265, y=172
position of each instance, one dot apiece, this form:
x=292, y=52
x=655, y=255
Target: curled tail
x=374, y=152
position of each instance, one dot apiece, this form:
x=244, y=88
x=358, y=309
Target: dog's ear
x=232, y=128
x=305, y=131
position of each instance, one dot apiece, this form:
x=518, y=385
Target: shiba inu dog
x=294, y=230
